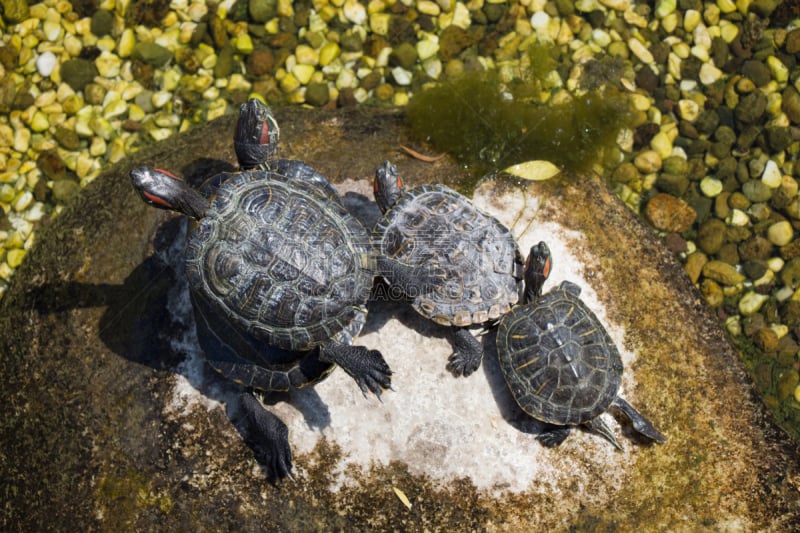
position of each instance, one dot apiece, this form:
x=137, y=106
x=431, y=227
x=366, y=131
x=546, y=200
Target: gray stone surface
x=113, y=422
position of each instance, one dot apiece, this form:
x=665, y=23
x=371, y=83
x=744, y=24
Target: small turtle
x=558, y=360
x=435, y=225
x=279, y=275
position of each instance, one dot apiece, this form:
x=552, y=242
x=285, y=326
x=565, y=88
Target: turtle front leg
x=367, y=367
x=412, y=280
x=467, y=355
x=553, y=435
x=268, y=436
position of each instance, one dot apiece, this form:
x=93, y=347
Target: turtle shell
x=276, y=258
x=435, y=225
x=557, y=358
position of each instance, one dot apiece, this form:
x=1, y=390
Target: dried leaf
x=402, y=497
x=538, y=170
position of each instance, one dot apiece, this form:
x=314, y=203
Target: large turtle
x=434, y=225
x=279, y=275
x=558, y=360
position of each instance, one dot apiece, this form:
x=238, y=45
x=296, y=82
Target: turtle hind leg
x=639, y=423
x=597, y=425
x=268, y=436
x=552, y=435
x=467, y=355
x=367, y=367
x=414, y=281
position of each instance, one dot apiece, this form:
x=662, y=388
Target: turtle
x=434, y=225
x=279, y=276
x=558, y=360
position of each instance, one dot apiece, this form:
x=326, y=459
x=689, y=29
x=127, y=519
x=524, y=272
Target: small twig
x=421, y=157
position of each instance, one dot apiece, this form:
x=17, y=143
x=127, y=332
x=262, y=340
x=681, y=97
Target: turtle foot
x=367, y=367
x=268, y=436
x=553, y=436
x=467, y=355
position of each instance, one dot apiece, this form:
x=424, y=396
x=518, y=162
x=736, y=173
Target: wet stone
x=766, y=339
x=102, y=22
x=756, y=248
x=751, y=107
x=67, y=138
x=694, y=265
x=792, y=43
x=787, y=382
x=668, y=213
x=260, y=62
x=756, y=71
x=756, y=191
x=729, y=253
x=676, y=165
x=77, y=73
x=754, y=269
x=722, y=272
x=791, y=250
x=790, y=274
x=790, y=313
x=403, y=55
x=626, y=173
x=711, y=236
x=452, y=42
x=778, y=137
x=151, y=53
x=51, y=165
x=707, y=122
x=262, y=11
x=317, y=94
x=673, y=184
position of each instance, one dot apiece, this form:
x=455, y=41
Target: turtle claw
x=268, y=437
x=467, y=355
x=366, y=367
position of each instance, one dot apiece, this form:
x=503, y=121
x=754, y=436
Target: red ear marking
x=264, y=133
x=375, y=185
x=168, y=173
x=546, y=269
x=157, y=199
x=399, y=182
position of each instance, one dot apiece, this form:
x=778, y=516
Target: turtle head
x=388, y=186
x=537, y=269
x=256, y=136
x=165, y=190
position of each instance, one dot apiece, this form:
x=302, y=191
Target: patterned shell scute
x=280, y=260
x=558, y=360
x=434, y=225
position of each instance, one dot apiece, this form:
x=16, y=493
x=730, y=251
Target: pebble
x=722, y=272
x=751, y=303
x=46, y=63
x=668, y=213
x=780, y=233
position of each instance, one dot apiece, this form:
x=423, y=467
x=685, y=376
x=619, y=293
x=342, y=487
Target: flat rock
x=112, y=421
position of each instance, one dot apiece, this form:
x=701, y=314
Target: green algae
x=488, y=125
